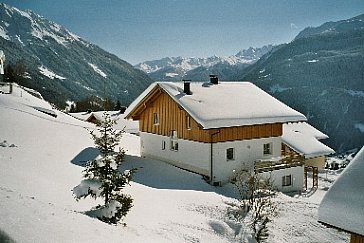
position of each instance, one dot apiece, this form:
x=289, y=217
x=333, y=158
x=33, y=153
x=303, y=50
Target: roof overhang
x=143, y=101
x=303, y=138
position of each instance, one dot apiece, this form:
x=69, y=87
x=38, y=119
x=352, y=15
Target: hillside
x=61, y=65
x=199, y=68
x=321, y=74
x=41, y=159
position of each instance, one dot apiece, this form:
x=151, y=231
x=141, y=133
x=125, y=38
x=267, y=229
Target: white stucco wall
x=297, y=178
x=193, y=156
x=246, y=152
x=196, y=156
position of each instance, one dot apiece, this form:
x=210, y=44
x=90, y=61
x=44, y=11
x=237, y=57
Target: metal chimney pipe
x=187, y=87
x=214, y=79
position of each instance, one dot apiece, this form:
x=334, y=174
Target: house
x=302, y=139
x=118, y=116
x=343, y=205
x=216, y=128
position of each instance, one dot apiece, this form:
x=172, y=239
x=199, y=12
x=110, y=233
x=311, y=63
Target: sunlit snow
x=48, y=73
x=360, y=126
x=97, y=70
x=41, y=161
x=4, y=33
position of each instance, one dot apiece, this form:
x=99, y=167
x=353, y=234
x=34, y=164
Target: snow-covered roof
x=226, y=104
x=304, y=127
x=81, y=115
x=303, y=138
x=343, y=205
x=121, y=123
x=114, y=115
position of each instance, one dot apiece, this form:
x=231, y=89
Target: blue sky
x=140, y=30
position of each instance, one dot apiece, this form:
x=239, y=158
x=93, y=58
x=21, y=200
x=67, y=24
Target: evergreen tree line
x=94, y=103
x=15, y=73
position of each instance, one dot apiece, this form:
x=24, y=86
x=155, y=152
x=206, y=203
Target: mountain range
x=177, y=68
x=321, y=74
x=61, y=65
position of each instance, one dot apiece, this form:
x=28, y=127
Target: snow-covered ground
x=41, y=160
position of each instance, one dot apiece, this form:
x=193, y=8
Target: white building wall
x=196, y=156
x=297, y=174
x=246, y=152
x=193, y=156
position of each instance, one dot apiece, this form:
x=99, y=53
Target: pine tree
x=117, y=106
x=103, y=180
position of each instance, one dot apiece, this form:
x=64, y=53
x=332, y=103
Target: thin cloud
x=293, y=26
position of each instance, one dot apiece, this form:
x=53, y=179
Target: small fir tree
x=103, y=180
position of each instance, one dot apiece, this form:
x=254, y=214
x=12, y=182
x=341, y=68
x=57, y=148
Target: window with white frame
x=174, y=140
x=188, y=122
x=155, y=118
x=267, y=148
x=230, y=154
x=287, y=180
x=163, y=145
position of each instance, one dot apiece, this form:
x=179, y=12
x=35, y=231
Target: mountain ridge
x=63, y=66
x=177, y=68
x=321, y=74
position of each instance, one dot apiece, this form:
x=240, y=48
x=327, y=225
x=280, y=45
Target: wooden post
x=305, y=176
x=315, y=176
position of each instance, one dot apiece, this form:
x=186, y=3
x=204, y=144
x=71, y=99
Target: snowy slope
x=40, y=164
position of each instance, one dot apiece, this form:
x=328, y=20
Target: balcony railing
x=282, y=162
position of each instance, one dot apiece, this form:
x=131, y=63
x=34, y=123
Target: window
x=188, y=122
x=163, y=145
x=155, y=118
x=174, y=140
x=267, y=148
x=287, y=180
x=230, y=154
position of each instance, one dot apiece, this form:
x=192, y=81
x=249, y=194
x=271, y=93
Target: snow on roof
x=84, y=115
x=303, y=138
x=343, y=205
x=226, y=104
x=305, y=128
x=121, y=123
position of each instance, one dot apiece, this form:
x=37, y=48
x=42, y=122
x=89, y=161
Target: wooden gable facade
x=159, y=114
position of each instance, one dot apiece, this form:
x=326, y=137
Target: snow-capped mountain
x=175, y=68
x=60, y=64
x=320, y=73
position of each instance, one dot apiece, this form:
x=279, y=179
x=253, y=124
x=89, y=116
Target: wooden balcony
x=286, y=161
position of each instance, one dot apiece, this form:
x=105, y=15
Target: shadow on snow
x=158, y=174
x=89, y=153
